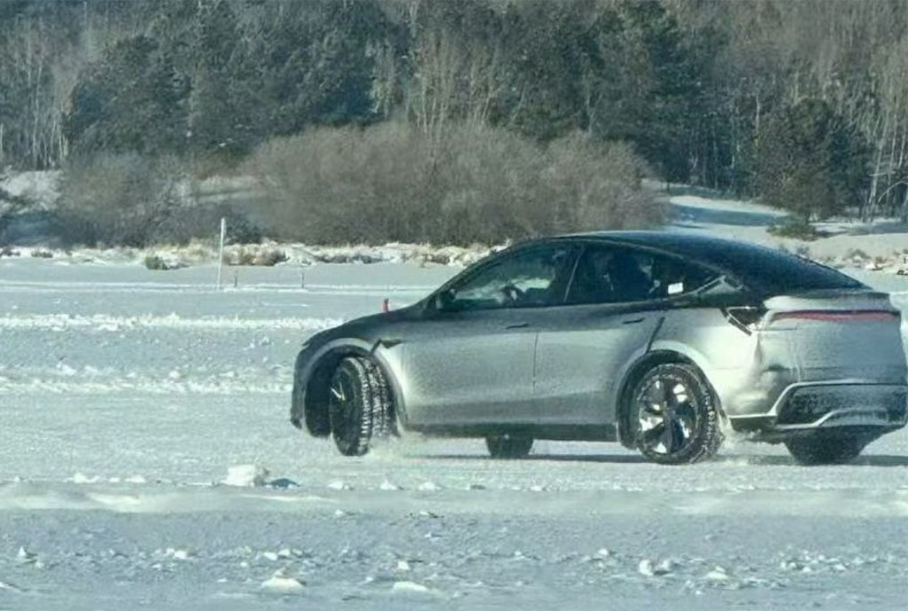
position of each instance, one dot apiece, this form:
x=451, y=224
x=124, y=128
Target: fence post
x=221, y=250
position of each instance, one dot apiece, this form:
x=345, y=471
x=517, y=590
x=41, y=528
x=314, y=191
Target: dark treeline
x=803, y=103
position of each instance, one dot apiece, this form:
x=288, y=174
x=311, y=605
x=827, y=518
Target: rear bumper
x=810, y=406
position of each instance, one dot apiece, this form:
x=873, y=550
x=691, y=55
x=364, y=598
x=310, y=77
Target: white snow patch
x=339, y=485
x=177, y=554
x=246, y=476
x=409, y=587
x=718, y=574
x=279, y=583
x=10, y=587
x=26, y=557
x=81, y=478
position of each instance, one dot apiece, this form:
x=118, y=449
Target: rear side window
x=609, y=274
x=672, y=276
x=780, y=272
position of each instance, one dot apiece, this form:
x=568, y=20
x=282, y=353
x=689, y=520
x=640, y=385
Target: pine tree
x=810, y=162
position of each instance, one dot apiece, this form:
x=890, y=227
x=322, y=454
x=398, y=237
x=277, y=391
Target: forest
x=453, y=120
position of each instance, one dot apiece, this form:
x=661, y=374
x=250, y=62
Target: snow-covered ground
x=147, y=461
x=128, y=395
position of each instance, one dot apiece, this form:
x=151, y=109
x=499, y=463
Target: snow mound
x=409, y=587
x=279, y=583
x=246, y=476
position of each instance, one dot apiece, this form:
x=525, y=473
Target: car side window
x=611, y=274
x=534, y=277
x=672, y=276
x=607, y=274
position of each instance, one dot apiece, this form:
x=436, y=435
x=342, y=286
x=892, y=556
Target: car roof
x=759, y=267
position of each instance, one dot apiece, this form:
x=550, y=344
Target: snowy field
x=126, y=396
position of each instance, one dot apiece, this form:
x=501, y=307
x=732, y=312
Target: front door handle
x=632, y=321
x=517, y=325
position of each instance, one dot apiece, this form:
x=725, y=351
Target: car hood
x=365, y=326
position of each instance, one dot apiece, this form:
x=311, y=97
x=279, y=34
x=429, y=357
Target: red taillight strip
x=840, y=316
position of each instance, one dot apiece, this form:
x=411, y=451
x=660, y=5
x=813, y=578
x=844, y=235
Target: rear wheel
x=358, y=405
x=675, y=415
x=505, y=446
x=825, y=450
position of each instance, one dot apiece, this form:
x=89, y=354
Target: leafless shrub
x=394, y=183
x=119, y=199
x=261, y=256
x=159, y=263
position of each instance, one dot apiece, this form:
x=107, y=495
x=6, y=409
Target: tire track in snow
x=209, y=385
x=105, y=322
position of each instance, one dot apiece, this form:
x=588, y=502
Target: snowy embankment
x=880, y=245
x=851, y=245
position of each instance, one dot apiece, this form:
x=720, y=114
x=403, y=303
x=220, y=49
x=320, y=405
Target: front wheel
x=505, y=446
x=675, y=415
x=825, y=450
x=359, y=407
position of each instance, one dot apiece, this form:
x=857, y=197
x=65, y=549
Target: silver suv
x=654, y=339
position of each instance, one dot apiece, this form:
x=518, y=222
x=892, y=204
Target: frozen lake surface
x=126, y=395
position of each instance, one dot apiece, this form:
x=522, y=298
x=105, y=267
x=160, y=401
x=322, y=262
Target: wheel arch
x=317, y=382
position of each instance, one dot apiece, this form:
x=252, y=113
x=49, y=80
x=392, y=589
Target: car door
x=584, y=348
x=470, y=361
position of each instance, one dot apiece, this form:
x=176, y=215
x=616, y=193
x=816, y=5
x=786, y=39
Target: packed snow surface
x=147, y=462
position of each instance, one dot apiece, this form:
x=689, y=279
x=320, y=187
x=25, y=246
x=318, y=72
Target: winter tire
x=825, y=450
x=358, y=405
x=675, y=415
x=508, y=447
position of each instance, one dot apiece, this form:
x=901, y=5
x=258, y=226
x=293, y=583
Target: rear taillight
x=746, y=318
x=839, y=315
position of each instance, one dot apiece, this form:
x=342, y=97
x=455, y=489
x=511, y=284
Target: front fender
x=315, y=364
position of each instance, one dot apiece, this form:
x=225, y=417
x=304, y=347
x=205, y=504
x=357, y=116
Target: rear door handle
x=632, y=321
x=517, y=325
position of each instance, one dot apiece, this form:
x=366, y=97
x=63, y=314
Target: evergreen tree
x=131, y=101
x=810, y=162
